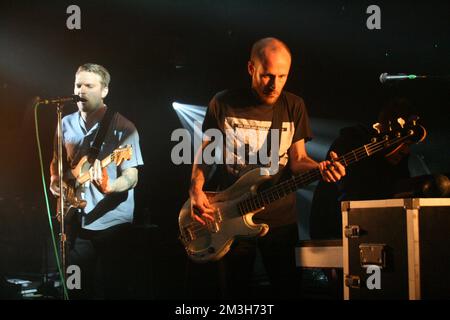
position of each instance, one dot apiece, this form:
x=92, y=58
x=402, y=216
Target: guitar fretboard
x=286, y=187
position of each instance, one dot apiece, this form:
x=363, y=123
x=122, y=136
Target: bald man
x=250, y=114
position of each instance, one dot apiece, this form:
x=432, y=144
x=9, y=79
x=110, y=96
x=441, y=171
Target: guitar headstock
x=400, y=131
x=121, y=154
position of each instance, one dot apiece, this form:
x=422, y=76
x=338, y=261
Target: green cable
x=66, y=296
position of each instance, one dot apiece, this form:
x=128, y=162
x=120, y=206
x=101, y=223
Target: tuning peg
x=377, y=127
x=413, y=120
x=401, y=122
x=389, y=125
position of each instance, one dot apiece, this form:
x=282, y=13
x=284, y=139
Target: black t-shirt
x=249, y=121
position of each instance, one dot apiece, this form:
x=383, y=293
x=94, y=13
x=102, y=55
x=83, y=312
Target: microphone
x=384, y=77
x=72, y=98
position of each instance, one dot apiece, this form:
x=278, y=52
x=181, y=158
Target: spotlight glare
x=191, y=116
x=176, y=105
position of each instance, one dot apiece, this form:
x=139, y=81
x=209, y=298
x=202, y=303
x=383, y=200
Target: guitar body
x=212, y=241
x=81, y=168
x=72, y=200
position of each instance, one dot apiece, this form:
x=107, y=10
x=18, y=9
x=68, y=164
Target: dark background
x=159, y=52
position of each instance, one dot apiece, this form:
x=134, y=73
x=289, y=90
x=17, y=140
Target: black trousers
x=277, y=250
x=104, y=258
x=232, y=276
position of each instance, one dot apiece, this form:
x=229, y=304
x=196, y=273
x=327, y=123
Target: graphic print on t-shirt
x=246, y=140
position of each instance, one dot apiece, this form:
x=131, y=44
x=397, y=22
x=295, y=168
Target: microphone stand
x=62, y=235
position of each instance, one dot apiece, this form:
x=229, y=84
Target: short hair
x=97, y=69
x=273, y=44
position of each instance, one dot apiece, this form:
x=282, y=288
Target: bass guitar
x=235, y=206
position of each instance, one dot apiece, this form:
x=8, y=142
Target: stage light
x=191, y=117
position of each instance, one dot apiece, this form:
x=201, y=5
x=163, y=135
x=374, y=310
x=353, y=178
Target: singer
x=100, y=230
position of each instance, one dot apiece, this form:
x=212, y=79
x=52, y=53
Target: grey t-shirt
x=102, y=211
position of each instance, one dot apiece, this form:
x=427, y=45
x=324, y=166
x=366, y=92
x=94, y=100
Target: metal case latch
x=351, y=231
x=352, y=281
x=372, y=254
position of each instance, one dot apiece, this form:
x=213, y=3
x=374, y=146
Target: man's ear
x=105, y=91
x=250, y=68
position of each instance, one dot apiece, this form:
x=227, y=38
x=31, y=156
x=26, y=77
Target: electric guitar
x=72, y=187
x=235, y=206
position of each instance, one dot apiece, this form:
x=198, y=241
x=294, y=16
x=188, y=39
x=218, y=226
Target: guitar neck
x=104, y=163
x=286, y=187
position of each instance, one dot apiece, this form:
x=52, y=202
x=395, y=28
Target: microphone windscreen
x=383, y=77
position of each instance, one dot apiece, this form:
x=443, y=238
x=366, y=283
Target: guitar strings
x=287, y=186
x=292, y=184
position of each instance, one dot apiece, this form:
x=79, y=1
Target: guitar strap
x=220, y=178
x=277, y=120
x=100, y=134
x=74, y=225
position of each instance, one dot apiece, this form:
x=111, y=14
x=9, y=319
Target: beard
x=269, y=97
